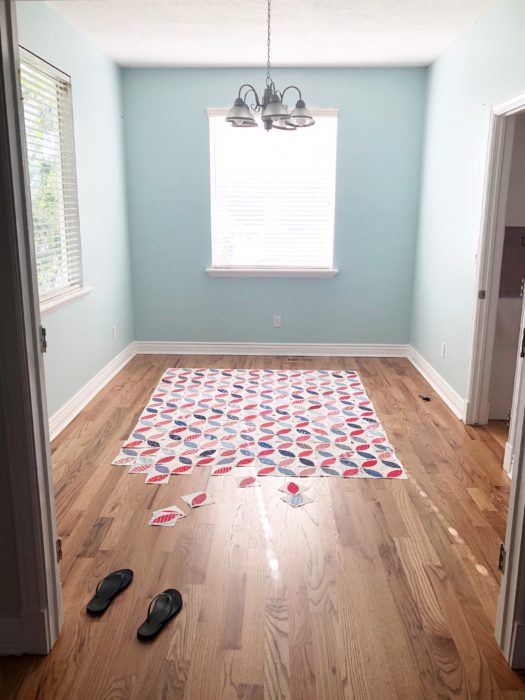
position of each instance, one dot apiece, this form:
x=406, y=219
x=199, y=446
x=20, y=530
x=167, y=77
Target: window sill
x=50, y=305
x=271, y=272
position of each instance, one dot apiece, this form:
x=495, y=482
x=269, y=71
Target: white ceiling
x=304, y=32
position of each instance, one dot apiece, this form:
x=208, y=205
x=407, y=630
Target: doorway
x=496, y=388
x=501, y=280
x=508, y=304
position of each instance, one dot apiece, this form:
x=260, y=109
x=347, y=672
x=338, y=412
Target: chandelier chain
x=268, y=64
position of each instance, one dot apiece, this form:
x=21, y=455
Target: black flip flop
x=107, y=589
x=160, y=611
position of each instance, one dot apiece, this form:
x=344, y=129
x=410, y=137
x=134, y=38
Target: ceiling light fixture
x=274, y=113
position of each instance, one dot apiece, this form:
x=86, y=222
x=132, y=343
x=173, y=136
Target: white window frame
x=214, y=271
x=75, y=290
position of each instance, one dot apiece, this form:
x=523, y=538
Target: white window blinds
x=273, y=194
x=48, y=116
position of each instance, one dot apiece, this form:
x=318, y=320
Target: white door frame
x=510, y=621
x=490, y=252
x=37, y=624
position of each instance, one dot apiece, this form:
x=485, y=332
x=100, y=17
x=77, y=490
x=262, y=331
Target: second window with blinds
x=272, y=198
x=48, y=117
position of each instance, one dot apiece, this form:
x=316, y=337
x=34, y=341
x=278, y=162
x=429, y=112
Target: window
x=272, y=198
x=48, y=116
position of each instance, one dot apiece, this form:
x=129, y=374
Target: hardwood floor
x=496, y=433
x=380, y=589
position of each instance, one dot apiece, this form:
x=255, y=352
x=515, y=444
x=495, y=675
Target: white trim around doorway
x=489, y=259
x=510, y=621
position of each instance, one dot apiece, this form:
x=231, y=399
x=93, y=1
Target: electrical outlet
x=443, y=348
x=277, y=321
x=114, y=332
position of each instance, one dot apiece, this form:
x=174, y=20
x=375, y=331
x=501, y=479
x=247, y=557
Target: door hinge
x=59, y=548
x=502, y=558
x=43, y=339
x=482, y=294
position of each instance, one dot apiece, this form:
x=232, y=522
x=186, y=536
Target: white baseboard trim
x=292, y=349
x=66, y=413
x=76, y=403
x=449, y=395
x=10, y=636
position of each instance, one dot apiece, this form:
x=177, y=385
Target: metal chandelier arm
x=257, y=104
x=291, y=87
x=250, y=87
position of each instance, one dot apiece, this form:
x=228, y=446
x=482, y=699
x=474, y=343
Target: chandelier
x=274, y=113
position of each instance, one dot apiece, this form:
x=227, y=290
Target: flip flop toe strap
x=151, y=606
x=106, y=580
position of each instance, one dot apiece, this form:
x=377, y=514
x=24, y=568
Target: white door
x=36, y=612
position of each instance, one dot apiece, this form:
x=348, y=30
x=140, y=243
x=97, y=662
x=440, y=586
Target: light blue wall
x=378, y=171
x=80, y=335
x=485, y=67
x=378, y=179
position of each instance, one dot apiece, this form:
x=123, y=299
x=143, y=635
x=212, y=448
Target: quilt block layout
x=295, y=423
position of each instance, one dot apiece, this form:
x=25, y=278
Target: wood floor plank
x=377, y=590
x=276, y=649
